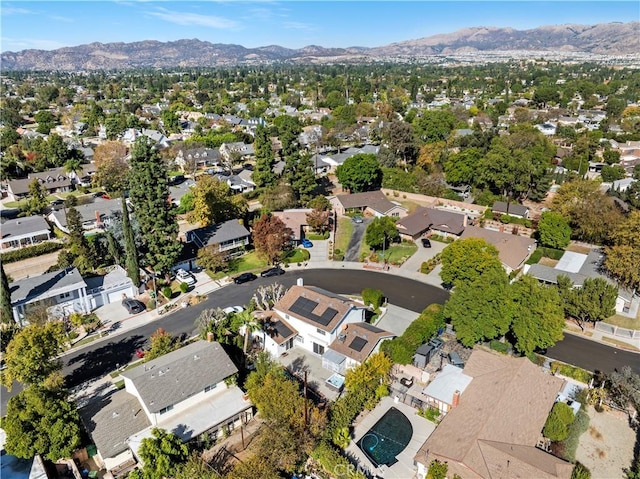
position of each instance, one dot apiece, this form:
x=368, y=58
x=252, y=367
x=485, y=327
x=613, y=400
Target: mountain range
x=615, y=39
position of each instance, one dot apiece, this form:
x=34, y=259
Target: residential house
x=336, y=159
x=622, y=185
x=112, y=287
x=276, y=336
x=318, y=316
x=54, y=181
x=243, y=150
x=578, y=267
x=25, y=231
x=240, y=182
x=547, y=129
x=426, y=221
x=231, y=236
x=176, y=192
x=354, y=344
x=494, y=427
x=131, y=135
x=443, y=393
x=186, y=392
x=95, y=216
x=202, y=157
x=369, y=203
x=62, y=292
x=296, y=219
x=513, y=250
x=511, y=209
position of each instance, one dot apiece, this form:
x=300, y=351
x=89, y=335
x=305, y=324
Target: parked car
x=140, y=353
x=426, y=243
x=244, y=277
x=133, y=305
x=233, y=309
x=357, y=219
x=305, y=243
x=275, y=271
x=185, y=277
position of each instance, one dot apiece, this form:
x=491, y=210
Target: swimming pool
x=387, y=438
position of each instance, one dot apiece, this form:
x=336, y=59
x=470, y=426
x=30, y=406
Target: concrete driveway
x=422, y=255
x=396, y=319
x=318, y=252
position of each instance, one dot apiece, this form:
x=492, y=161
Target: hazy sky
x=294, y=24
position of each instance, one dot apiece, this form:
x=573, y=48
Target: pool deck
x=404, y=468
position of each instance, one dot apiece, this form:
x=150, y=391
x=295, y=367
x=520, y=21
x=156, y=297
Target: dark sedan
x=244, y=277
x=426, y=243
x=133, y=305
x=276, y=271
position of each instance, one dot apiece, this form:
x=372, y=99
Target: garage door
x=116, y=297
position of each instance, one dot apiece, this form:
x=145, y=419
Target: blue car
x=305, y=243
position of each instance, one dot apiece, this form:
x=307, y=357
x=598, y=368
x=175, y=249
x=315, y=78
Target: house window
x=299, y=339
x=166, y=409
x=65, y=295
x=318, y=349
x=395, y=215
x=210, y=387
x=320, y=332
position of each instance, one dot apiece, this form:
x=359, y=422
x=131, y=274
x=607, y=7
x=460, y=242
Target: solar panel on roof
x=304, y=307
x=327, y=316
x=371, y=328
x=357, y=344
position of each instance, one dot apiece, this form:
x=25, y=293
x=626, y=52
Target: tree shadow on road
x=102, y=360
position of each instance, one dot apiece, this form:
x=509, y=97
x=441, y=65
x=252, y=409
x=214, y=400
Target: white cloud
x=190, y=19
x=15, y=44
x=15, y=11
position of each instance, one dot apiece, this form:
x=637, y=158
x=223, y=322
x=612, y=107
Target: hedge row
x=428, y=266
x=576, y=429
x=373, y=297
x=334, y=463
x=402, y=348
x=30, y=251
x=578, y=374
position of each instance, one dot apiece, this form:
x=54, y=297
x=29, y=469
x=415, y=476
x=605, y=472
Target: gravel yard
x=607, y=446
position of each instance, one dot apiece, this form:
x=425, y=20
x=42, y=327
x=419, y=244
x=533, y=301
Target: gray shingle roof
x=511, y=209
x=28, y=289
x=23, y=226
x=106, y=208
x=174, y=377
x=376, y=200
x=51, y=179
x=112, y=419
x=218, y=233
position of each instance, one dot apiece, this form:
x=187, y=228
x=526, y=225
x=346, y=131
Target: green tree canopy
x=37, y=198
x=381, y=231
x=557, y=425
x=622, y=257
x=149, y=193
x=359, y=173
x=594, y=301
x=263, y=174
x=41, y=421
x=554, y=230
x=434, y=125
x=463, y=261
x=31, y=354
x=214, y=202
x=481, y=309
x=462, y=168
x=538, y=315
x=6, y=311
x=162, y=454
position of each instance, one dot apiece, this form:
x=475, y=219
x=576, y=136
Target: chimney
x=465, y=221
x=98, y=221
x=210, y=337
x=300, y=282
x=456, y=399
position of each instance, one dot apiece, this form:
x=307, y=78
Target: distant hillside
x=608, y=39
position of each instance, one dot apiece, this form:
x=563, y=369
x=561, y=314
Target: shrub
x=578, y=374
x=151, y=304
x=184, y=287
x=576, y=429
x=423, y=328
x=437, y=470
x=499, y=346
x=580, y=471
x=557, y=426
x=428, y=266
x=30, y=251
x=334, y=463
x=431, y=413
x=167, y=292
x=372, y=297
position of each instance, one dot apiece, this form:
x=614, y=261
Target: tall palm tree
x=73, y=165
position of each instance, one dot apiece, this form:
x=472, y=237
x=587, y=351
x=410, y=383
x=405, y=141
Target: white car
x=185, y=277
x=233, y=309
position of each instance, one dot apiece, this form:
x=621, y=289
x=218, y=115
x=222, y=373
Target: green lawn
x=247, y=262
x=399, y=253
x=343, y=234
x=624, y=321
x=16, y=204
x=298, y=255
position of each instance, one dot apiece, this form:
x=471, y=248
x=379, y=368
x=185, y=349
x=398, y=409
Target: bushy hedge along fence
x=30, y=251
x=334, y=463
x=423, y=328
x=578, y=374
